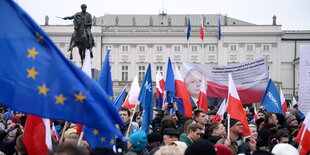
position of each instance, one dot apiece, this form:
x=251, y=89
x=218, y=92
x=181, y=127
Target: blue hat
x=138, y=139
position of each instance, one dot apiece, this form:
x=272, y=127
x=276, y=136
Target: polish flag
x=255, y=114
x=201, y=30
x=283, y=102
x=37, y=135
x=202, y=99
x=220, y=113
x=234, y=107
x=132, y=97
x=160, y=85
x=55, y=133
x=182, y=92
x=294, y=102
x=303, y=137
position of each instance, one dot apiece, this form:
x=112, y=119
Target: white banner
x=304, y=79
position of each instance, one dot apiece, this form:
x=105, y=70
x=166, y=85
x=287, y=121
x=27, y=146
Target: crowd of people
x=173, y=134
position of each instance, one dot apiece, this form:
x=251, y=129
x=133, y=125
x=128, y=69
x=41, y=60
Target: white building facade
x=136, y=40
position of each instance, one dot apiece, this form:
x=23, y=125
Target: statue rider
x=87, y=18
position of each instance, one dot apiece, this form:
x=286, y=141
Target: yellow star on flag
x=32, y=53
x=112, y=141
x=79, y=97
x=60, y=99
x=102, y=139
x=43, y=89
x=32, y=73
x=95, y=132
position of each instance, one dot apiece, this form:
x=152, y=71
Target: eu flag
x=146, y=100
x=219, y=31
x=36, y=78
x=188, y=29
x=105, y=78
x=169, y=87
x=271, y=100
x=96, y=137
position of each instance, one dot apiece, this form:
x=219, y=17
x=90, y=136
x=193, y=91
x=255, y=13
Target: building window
x=159, y=48
x=249, y=47
x=141, y=73
x=125, y=48
x=124, y=73
x=141, y=48
x=194, y=48
x=233, y=47
x=211, y=48
x=177, y=48
x=160, y=69
x=266, y=47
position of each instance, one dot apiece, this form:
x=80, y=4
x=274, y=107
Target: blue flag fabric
x=120, y=98
x=105, y=78
x=188, y=29
x=96, y=138
x=169, y=87
x=219, y=31
x=36, y=78
x=271, y=100
x=146, y=100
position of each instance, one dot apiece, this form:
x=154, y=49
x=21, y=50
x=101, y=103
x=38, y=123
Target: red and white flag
x=220, y=113
x=37, y=135
x=55, y=133
x=294, y=102
x=202, y=99
x=201, y=31
x=234, y=107
x=255, y=114
x=132, y=97
x=160, y=85
x=283, y=102
x=303, y=137
x=182, y=92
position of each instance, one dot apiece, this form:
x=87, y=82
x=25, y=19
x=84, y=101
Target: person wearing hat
x=291, y=122
x=169, y=135
x=137, y=142
x=200, y=146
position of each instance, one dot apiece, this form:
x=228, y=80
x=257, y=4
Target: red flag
x=220, y=113
x=201, y=30
x=303, y=137
x=235, y=108
x=132, y=97
x=255, y=114
x=79, y=128
x=294, y=102
x=160, y=85
x=37, y=135
x=283, y=102
x=202, y=99
x=55, y=133
x=182, y=92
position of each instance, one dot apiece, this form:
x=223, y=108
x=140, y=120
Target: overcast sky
x=291, y=14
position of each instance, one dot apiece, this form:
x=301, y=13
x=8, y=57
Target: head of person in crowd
x=200, y=146
x=169, y=135
x=69, y=132
x=181, y=145
x=20, y=147
x=259, y=123
x=67, y=149
x=154, y=139
x=124, y=113
x=235, y=128
x=186, y=124
x=194, y=132
x=200, y=117
x=279, y=136
x=167, y=122
x=102, y=150
x=211, y=114
x=281, y=120
x=261, y=114
x=168, y=150
x=253, y=130
x=13, y=119
x=193, y=80
x=217, y=129
x=271, y=119
x=284, y=149
x=72, y=138
x=222, y=149
x=291, y=121
x=18, y=114
x=137, y=142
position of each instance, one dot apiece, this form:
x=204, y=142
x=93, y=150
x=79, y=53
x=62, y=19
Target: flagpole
x=63, y=132
x=80, y=138
x=131, y=118
x=228, y=126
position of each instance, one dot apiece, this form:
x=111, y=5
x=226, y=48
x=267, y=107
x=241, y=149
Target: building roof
x=166, y=20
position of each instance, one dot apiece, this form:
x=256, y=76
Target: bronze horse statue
x=79, y=38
